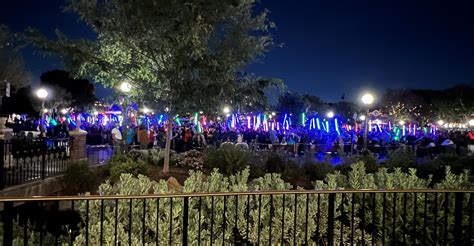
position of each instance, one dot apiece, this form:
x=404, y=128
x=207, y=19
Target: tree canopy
x=12, y=67
x=69, y=92
x=184, y=55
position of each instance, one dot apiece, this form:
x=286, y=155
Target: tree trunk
x=169, y=135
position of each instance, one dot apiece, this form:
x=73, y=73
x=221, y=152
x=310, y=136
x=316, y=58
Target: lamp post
x=125, y=88
x=367, y=99
x=42, y=94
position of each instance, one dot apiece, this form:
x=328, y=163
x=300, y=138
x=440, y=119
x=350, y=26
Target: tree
x=183, y=55
x=12, y=67
x=77, y=93
x=291, y=103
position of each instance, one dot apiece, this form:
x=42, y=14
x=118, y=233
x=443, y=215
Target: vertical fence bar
x=352, y=218
x=330, y=232
x=157, y=221
x=212, y=219
x=248, y=218
x=283, y=222
x=143, y=222
x=87, y=222
x=362, y=219
x=130, y=222
x=458, y=200
x=435, y=219
x=271, y=220
x=374, y=219
x=171, y=221
x=7, y=223
x=224, y=220
x=43, y=162
x=259, y=215
x=404, y=224
x=342, y=224
x=294, y=219
x=2, y=163
x=101, y=221
x=185, y=220
x=394, y=216
x=469, y=231
x=425, y=220
x=116, y=222
x=306, y=220
x=415, y=211
x=199, y=220
x=236, y=213
x=384, y=212
x=446, y=215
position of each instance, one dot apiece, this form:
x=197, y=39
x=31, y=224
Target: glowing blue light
x=337, y=127
x=319, y=126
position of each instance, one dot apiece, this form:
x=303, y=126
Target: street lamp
x=42, y=94
x=330, y=114
x=440, y=122
x=125, y=88
x=367, y=99
x=226, y=110
x=471, y=122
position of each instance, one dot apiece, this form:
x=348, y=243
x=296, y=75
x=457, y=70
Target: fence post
x=7, y=223
x=458, y=200
x=2, y=164
x=332, y=197
x=43, y=158
x=185, y=221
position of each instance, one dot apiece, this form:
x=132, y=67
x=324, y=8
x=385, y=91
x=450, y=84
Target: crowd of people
x=295, y=140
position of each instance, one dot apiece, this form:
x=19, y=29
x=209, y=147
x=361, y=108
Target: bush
x=370, y=162
x=318, y=171
x=79, y=179
x=192, y=160
x=228, y=159
x=123, y=164
x=403, y=158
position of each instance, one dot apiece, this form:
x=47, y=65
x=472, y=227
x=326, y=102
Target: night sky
x=329, y=47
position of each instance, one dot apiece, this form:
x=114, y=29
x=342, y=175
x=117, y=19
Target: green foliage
x=318, y=171
x=78, y=179
x=259, y=211
x=228, y=158
x=370, y=162
x=119, y=164
x=401, y=157
x=192, y=159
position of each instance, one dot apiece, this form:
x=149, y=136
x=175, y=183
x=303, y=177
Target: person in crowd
x=142, y=137
x=117, y=138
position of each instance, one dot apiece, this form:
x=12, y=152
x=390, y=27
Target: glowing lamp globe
x=226, y=110
x=146, y=110
x=63, y=111
x=367, y=99
x=42, y=93
x=330, y=114
x=440, y=122
x=362, y=117
x=401, y=122
x=125, y=87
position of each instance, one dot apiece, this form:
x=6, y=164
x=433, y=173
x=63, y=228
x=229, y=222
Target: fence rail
x=24, y=160
x=316, y=217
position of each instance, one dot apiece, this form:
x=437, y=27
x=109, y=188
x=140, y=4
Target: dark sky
x=329, y=47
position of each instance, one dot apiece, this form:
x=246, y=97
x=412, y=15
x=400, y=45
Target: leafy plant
x=123, y=164
x=78, y=179
x=229, y=159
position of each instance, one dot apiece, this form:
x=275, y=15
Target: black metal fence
x=24, y=160
x=395, y=217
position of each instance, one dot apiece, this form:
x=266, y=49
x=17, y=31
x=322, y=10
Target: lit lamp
x=125, y=88
x=42, y=94
x=226, y=110
x=330, y=114
x=367, y=99
x=440, y=122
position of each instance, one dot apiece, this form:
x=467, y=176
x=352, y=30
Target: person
x=142, y=137
x=116, y=138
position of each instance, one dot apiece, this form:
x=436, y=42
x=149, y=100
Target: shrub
x=228, y=159
x=123, y=164
x=403, y=158
x=318, y=171
x=370, y=162
x=79, y=179
x=192, y=159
